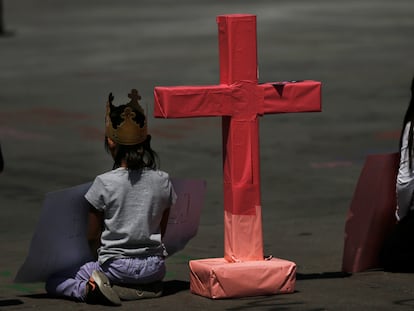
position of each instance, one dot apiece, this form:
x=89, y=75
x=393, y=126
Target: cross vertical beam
x=238, y=62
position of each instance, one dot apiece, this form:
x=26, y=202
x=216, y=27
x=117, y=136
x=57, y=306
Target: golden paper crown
x=133, y=129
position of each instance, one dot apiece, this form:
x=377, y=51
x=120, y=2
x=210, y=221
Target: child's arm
x=164, y=221
x=95, y=227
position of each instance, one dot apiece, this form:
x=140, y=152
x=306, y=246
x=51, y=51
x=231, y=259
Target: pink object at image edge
x=371, y=215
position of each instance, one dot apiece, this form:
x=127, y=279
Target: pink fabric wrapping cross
x=239, y=100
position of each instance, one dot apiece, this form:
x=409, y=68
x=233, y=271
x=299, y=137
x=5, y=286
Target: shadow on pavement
x=405, y=302
x=10, y=302
x=323, y=275
x=170, y=288
x=174, y=286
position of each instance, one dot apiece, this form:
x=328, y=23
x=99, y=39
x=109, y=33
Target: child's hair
x=409, y=117
x=136, y=156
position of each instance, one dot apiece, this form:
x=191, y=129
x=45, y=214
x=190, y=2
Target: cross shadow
x=323, y=275
x=405, y=302
x=272, y=303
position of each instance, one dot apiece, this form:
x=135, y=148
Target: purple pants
x=72, y=282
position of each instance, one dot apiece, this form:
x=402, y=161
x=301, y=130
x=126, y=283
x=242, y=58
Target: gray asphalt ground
x=60, y=59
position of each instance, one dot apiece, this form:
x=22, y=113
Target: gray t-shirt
x=133, y=203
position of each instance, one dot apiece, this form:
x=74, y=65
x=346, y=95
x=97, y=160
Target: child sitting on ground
x=128, y=216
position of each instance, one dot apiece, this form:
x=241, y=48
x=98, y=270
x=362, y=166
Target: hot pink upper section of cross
x=238, y=93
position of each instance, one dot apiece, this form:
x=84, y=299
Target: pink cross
x=240, y=100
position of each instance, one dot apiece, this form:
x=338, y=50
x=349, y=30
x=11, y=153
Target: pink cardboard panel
x=371, y=215
x=216, y=278
x=59, y=240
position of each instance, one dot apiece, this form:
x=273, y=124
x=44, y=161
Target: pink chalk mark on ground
x=7, y=132
x=53, y=116
x=331, y=164
x=57, y=115
x=42, y=114
x=388, y=135
x=91, y=133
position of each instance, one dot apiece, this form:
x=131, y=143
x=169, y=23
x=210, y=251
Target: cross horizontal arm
x=239, y=98
x=192, y=101
x=283, y=97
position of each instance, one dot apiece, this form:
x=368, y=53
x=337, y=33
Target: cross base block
x=217, y=278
